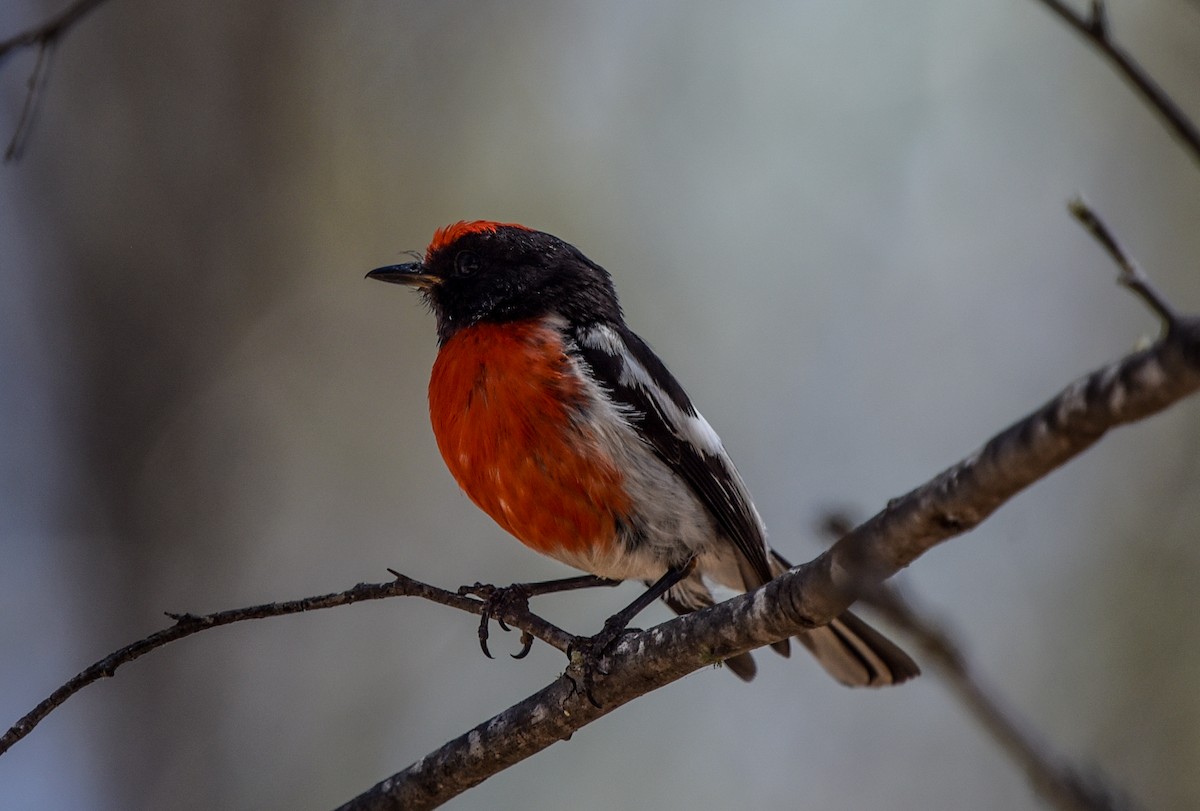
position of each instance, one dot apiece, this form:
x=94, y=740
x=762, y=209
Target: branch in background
x=188, y=624
x=1094, y=28
x=49, y=31
x=37, y=78
x=955, y=501
x=43, y=37
x=1063, y=785
x=1059, y=782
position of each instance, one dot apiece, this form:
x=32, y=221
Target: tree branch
x=952, y=503
x=1058, y=781
x=49, y=30
x=1131, y=274
x=188, y=624
x=1095, y=29
x=1055, y=779
x=43, y=37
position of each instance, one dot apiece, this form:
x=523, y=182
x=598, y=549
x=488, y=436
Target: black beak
x=413, y=274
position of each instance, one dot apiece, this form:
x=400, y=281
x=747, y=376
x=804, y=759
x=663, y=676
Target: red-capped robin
x=561, y=424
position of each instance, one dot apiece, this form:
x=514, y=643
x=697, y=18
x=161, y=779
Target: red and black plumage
x=563, y=425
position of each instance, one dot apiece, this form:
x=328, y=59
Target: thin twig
x=36, y=80
x=188, y=624
x=43, y=37
x=49, y=30
x=1095, y=29
x=1131, y=276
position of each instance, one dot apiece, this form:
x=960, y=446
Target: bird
x=564, y=426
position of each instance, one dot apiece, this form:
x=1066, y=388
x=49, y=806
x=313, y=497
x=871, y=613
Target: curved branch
x=188, y=624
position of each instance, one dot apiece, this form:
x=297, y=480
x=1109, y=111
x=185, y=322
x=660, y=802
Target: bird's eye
x=466, y=264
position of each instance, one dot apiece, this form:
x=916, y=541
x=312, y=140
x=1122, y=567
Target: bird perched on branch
x=561, y=424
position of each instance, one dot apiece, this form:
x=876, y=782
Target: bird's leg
x=499, y=601
x=593, y=648
x=617, y=623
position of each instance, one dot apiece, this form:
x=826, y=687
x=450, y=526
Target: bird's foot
x=499, y=601
x=587, y=657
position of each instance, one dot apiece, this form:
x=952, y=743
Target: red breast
x=508, y=415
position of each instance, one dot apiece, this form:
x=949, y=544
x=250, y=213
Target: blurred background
x=841, y=224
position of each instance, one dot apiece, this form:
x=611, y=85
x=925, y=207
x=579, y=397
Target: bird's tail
x=857, y=655
x=851, y=651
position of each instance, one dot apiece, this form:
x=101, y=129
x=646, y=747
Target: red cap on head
x=452, y=233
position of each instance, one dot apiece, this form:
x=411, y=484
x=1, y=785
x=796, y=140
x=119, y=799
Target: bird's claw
x=526, y=646
x=587, y=656
x=583, y=686
x=498, y=601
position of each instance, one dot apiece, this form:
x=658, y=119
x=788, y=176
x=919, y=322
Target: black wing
x=660, y=410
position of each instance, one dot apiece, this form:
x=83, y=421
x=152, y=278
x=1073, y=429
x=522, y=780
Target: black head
x=489, y=271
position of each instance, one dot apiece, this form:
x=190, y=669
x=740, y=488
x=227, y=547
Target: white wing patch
x=692, y=427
